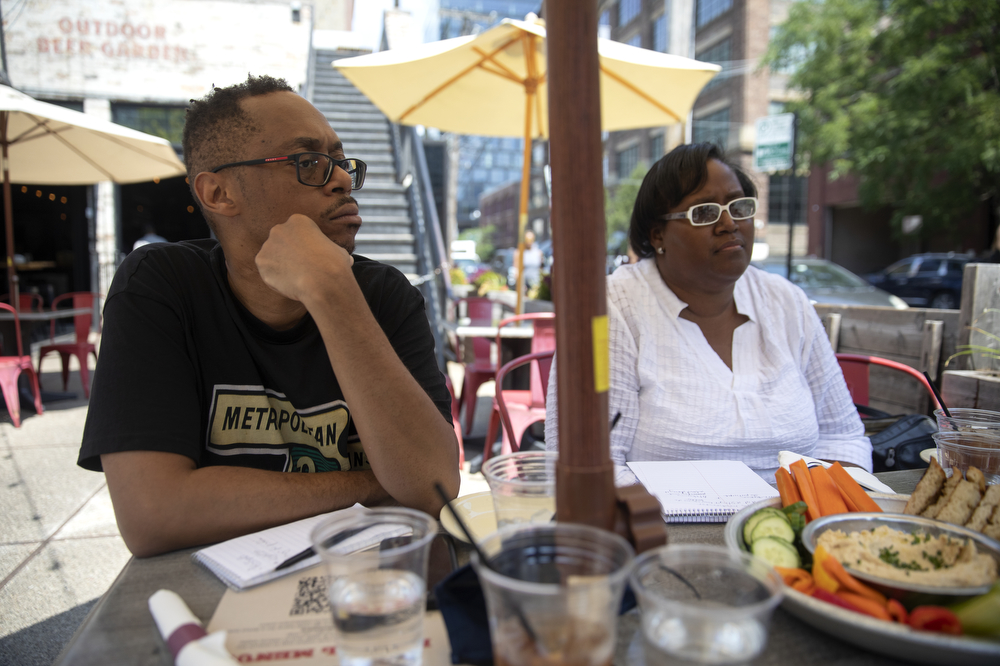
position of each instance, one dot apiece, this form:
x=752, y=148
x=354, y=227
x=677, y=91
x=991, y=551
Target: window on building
x=605, y=18
x=720, y=54
x=628, y=160
x=655, y=147
x=786, y=199
x=714, y=127
x=661, y=38
x=628, y=10
x=635, y=40
x=166, y=122
x=708, y=9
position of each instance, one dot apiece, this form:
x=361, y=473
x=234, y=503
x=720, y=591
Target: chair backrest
x=541, y=365
x=543, y=339
x=480, y=313
x=856, y=368
x=17, y=330
x=27, y=301
x=81, y=323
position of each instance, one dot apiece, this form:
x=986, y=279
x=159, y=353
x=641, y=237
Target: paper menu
x=701, y=490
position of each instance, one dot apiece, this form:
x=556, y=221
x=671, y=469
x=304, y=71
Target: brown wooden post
x=585, y=475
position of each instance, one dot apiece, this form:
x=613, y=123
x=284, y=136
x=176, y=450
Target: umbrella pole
x=585, y=491
x=530, y=92
x=8, y=214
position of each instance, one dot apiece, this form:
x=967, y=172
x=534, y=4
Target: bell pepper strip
x=935, y=618
x=804, y=482
x=897, y=611
x=850, y=488
x=797, y=579
x=980, y=616
x=786, y=488
x=823, y=578
x=827, y=494
x=865, y=605
x=849, y=582
x=831, y=598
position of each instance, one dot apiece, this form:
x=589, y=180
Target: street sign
x=775, y=143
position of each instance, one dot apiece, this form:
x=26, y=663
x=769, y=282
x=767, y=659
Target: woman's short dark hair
x=674, y=176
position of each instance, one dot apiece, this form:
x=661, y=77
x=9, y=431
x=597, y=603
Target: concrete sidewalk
x=60, y=548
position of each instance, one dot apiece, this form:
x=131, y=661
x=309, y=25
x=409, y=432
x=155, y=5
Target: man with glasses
x=228, y=364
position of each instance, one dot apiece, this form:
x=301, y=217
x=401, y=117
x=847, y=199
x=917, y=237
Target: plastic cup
x=969, y=420
x=523, y=486
x=378, y=594
x=959, y=450
x=704, y=604
x=553, y=592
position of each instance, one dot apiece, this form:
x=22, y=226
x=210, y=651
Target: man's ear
x=217, y=193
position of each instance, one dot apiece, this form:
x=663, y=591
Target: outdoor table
x=28, y=322
x=120, y=630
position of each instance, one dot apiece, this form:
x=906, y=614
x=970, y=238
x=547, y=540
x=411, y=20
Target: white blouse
x=679, y=401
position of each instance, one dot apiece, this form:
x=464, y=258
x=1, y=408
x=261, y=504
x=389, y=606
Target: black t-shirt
x=185, y=368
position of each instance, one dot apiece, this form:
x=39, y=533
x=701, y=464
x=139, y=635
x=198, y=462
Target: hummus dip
x=918, y=558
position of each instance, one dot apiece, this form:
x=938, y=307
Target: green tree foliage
x=484, y=240
x=618, y=209
x=903, y=93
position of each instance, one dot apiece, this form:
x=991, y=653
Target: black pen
x=310, y=551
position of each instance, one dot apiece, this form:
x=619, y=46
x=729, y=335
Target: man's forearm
x=162, y=502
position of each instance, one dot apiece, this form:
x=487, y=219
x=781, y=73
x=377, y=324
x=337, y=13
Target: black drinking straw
x=486, y=563
x=937, y=395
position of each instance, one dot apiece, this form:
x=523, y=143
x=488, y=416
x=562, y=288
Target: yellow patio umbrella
x=494, y=84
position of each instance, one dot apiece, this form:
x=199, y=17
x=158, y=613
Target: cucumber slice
x=776, y=552
x=773, y=526
x=755, y=518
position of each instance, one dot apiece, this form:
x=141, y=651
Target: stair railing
x=434, y=279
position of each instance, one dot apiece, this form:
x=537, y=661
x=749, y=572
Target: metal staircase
x=387, y=232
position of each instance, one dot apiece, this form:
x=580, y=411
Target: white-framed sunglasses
x=710, y=213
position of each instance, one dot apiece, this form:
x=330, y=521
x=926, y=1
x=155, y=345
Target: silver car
x=826, y=282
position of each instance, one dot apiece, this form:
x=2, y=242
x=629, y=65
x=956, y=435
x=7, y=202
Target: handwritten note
x=701, y=490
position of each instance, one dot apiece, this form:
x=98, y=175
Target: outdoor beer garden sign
x=774, y=146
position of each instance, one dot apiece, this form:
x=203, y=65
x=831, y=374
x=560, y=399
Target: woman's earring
x=659, y=250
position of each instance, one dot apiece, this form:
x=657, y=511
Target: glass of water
x=704, y=604
x=523, y=486
x=376, y=562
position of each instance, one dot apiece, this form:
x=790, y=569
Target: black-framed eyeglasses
x=710, y=213
x=313, y=169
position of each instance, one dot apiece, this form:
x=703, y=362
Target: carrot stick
x=787, y=488
x=852, y=584
x=865, y=605
x=797, y=579
x=827, y=495
x=897, y=611
x=802, y=479
x=849, y=487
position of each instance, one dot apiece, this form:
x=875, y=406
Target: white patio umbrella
x=495, y=84
x=45, y=144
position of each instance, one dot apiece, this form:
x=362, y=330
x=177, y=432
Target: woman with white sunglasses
x=712, y=358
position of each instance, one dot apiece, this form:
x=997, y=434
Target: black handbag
x=898, y=445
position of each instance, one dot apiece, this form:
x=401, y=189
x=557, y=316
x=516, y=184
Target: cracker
x=962, y=503
x=973, y=474
x=949, y=487
x=927, y=490
x=992, y=530
x=981, y=516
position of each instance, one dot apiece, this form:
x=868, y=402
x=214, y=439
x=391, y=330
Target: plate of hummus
x=885, y=638
x=914, y=559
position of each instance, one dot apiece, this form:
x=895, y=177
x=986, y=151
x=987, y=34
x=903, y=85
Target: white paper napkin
x=185, y=635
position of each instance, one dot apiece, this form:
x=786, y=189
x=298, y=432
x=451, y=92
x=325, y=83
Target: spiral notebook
x=701, y=491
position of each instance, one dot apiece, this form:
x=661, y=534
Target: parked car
x=826, y=282
x=925, y=280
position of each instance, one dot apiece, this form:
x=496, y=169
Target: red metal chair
x=856, y=367
x=455, y=406
x=543, y=340
x=81, y=347
x=481, y=369
x=11, y=368
x=28, y=302
x=519, y=414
